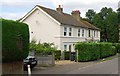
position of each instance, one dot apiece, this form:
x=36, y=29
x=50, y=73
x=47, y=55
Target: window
x=82, y=32
x=65, y=31
x=70, y=48
x=65, y=47
x=89, y=33
x=94, y=33
x=70, y=31
x=78, y=32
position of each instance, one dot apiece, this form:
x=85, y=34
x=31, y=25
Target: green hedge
x=94, y=51
x=58, y=55
x=15, y=40
x=67, y=55
x=117, y=45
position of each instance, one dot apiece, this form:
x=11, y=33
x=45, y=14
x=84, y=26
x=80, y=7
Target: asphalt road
x=106, y=67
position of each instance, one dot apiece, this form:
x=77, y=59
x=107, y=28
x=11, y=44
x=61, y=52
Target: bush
x=94, y=51
x=67, y=55
x=15, y=40
x=117, y=46
x=58, y=55
x=42, y=48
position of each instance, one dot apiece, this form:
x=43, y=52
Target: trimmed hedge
x=67, y=55
x=94, y=51
x=58, y=55
x=15, y=40
x=117, y=45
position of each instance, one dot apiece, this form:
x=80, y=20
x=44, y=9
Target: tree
x=90, y=14
x=107, y=21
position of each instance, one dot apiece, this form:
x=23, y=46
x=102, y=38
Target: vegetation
x=94, y=51
x=107, y=20
x=42, y=48
x=57, y=54
x=15, y=40
x=67, y=55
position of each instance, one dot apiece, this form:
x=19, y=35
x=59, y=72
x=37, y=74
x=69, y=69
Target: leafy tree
x=107, y=21
x=90, y=14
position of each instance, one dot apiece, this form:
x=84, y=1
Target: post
x=29, y=70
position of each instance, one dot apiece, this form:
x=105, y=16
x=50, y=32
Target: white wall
x=44, y=28
x=71, y=40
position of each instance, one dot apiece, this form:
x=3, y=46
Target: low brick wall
x=12, y=68
x=48, y=60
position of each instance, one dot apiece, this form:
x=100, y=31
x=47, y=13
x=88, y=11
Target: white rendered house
x=54, y=26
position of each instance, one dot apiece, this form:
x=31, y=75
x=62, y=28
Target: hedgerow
x=15, y=40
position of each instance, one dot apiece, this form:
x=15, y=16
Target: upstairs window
x=94, y=34
x=70, y=31
x=78, y=32
x=89, y=33
x=65, y=31
x=82, y=32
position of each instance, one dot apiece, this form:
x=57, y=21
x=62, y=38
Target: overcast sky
x=16, y=9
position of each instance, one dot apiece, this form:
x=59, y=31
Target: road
x=105, y=67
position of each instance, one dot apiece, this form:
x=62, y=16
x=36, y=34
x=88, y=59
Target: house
x=62, y=29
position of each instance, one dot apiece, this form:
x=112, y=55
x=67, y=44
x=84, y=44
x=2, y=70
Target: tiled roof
x=67, y=19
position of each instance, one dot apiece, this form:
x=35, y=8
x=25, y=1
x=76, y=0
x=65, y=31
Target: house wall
x=71, y=40
x=42, y=28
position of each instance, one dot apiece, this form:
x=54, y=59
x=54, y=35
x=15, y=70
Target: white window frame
x=83, y=32
x=70, y=31
x=65, y=47
x=65, y=31
x=78, y=32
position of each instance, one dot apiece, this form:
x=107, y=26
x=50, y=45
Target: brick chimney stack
x=59, y=9
x=76, y=14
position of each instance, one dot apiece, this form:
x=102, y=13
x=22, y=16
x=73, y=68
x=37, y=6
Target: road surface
x=105, y=67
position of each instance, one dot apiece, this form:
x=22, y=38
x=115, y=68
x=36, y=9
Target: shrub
x=42, y=48
x=94, y=51
x=67, y=55
x=117, y=46
x=57, y=54
x=15, y=40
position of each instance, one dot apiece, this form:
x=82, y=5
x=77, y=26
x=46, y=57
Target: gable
x=33, y=10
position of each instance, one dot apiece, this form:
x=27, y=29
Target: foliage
x=67, y=55
x=107, y=20
x=94, y=51
x=42, y=48
x=90, y=14
x=15, y=40
x=117, y=45
x=57, y=54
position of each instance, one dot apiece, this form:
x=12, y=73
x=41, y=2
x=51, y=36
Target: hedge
x=117, y=45
x=57, y=54
x=94, y=51
x=67, y=55
x=15, y=40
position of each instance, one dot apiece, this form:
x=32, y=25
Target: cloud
x=13, y=16
x=17, y=8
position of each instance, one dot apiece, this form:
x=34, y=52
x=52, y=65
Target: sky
x=16, y=9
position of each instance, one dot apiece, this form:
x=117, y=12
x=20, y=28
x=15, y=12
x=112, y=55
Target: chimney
x=76, y=14
x=59, y=9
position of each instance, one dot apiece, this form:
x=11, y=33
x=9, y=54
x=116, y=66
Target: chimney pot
x=76, y=14
x=59, y=9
